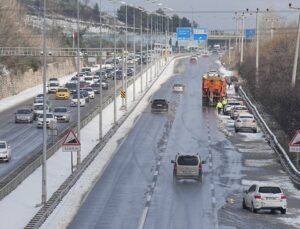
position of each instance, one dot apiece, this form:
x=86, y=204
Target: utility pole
x=78, y=87
x=257, y=49
x=242, y=36
x=134, y=51
x=44, y=162
x=115, y=73
x=126, y=48
x=141, y=27
x=296, y=51
x=101, y=96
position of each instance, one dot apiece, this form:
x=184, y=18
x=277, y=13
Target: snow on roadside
x=64, y=213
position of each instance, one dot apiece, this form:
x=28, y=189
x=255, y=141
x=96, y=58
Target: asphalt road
x=137, y=186
x=26, y=139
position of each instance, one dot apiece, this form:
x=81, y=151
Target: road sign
x=71, y=142
x=200, y=34
x=250, y=33
x=183, y=33
x=123, y=94
x=295, y=143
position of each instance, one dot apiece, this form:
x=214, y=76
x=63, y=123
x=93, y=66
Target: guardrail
x=12, y=181
x=56, y=198
x=281, y=153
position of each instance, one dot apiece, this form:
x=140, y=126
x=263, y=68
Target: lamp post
x=296, y=50
x=100, y=89
x=44, y=161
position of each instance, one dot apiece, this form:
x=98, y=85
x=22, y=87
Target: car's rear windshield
x=188, y=160
x=268, y=189
x=240, y=108
x=177, y=85
x=159, y=101
x=88, y=78
x=53, y=84
x=233, y=103
x=49, y=115
x=62, y=90
x=38, y=107
x=246, y=117
x=25, y=111
x=2, y=145
x=60, y=109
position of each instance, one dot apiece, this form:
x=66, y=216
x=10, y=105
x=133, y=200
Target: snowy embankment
x=29, y=93
x=22, y=202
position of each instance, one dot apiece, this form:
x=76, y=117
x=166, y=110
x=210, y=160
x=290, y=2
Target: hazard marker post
x=295, y=146
x=70, y=144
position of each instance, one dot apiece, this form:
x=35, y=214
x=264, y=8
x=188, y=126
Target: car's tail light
x=238, y=120
x=253, y=121
x=200, y=167
x=283, y=197
x=257, y=196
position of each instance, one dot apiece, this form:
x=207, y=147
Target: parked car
x=74, y=101
x=62, y=93
x=61, y=114
x=159, y=105
x=51, y=121
x=178, y=88
x=236, y=110
x=187, y=167
x=245, y=121
x=24, y=115
x=90, y=92
x=230, y=104
x=52, y=88
x=265, y=196
x=5, y=151
x=85, y=95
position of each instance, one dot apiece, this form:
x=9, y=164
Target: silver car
x=5, y=152
x=24, y=115
x=187, y=167
x=62, y=114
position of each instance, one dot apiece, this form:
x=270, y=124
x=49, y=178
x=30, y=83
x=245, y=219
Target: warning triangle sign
x=296, y=139
x=71, y=139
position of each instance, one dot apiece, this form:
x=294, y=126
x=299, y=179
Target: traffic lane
x=186, y=203
x=26, y=139
x=259, y=164
x=118, y=197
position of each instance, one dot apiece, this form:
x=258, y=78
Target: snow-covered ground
x=21, y=203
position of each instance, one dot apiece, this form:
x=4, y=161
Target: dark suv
x=159, y=105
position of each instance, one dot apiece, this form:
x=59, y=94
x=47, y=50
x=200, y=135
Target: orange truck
x=213, y=88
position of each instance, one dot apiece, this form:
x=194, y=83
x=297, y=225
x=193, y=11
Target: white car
x=89, y=80
x=178, y=88
x=53, y=80
x=266, y=196
x=74, y=101
x=230, y=104
x=51, y=121
x=245, y=121
x=52, y=88
x=236, y=110
x=38, y=109
x=5, y=151
x=90, y=92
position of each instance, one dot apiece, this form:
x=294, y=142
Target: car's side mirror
x=172, y=161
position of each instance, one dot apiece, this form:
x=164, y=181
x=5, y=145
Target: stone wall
x=14, y=84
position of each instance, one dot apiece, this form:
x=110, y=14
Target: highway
x=137, y=189
x=26, y=139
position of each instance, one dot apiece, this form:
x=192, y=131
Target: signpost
x=200, y=34
x=183, y=33
x=70, y=144
x=295, y=146
x=250, y=34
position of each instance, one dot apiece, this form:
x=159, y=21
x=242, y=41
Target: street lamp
x=296, y=50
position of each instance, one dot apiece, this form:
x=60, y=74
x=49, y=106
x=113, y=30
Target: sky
x=210, y=13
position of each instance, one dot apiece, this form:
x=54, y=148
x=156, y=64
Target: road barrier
x=281, y=153
x=56, y=198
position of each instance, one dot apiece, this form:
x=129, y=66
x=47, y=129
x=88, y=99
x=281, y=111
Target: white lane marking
x=149, y=198
x=156, y=173
x=213, y=199
x=210, y=165
x=158, y=163
x=143, y=218
x=153, y=185
x=212, y=186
